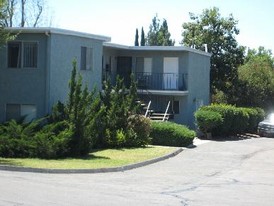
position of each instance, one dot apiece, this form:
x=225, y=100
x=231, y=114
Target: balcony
x=161, y=81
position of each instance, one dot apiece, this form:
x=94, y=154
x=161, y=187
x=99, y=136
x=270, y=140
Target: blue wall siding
x=24, y=86
x=64, y=49
x=198, y=83
x=45, y=85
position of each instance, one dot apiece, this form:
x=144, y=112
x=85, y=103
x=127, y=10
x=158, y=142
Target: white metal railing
x=148, y=106
x=164, y=118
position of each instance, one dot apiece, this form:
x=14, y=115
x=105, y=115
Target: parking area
x=238, y=172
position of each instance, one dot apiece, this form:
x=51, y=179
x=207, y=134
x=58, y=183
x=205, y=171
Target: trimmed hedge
x=208, y=120
x=171, y=134
x=236, y=120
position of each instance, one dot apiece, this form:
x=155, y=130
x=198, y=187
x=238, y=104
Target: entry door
x=171, y=71
x=124, y=65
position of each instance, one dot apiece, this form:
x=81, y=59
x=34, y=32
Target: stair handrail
x=166, y=111
x=148, y=106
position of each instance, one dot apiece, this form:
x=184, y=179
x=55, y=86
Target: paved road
x=214, y=173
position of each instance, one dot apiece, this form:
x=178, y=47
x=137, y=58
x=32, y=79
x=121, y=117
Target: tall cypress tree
x=143, y=40
x=136, y=38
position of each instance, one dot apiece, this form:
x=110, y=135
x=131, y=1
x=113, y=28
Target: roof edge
x=53, y=30
x=155, y=48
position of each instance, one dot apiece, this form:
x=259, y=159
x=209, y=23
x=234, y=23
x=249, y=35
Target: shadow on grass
x=91, y=157
x=10, y=162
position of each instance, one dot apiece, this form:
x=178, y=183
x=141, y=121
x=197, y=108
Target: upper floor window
x=22, y=54
x=86, y=58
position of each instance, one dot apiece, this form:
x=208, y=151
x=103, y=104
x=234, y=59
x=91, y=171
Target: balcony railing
x=161, y=81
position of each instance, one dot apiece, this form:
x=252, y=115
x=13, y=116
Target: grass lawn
x=97, y=159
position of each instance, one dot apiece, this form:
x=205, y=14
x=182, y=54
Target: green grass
x=97, y=159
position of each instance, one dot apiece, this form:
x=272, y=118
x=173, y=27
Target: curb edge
x=99, y=170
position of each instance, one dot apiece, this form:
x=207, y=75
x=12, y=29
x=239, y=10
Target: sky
x=119, y=19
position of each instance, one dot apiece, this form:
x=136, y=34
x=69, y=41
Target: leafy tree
x=24, y=13
x=143, y=40
x=4, y=35
x=158, y=34
x=136, y=43
x=260, y=52
x=219, y=34
x=256, y=80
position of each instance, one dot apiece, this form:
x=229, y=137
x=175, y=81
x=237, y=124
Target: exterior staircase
x=154, y=116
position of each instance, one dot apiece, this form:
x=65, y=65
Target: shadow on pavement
x=238, y=137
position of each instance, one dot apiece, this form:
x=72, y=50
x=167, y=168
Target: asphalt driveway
x=214, y=173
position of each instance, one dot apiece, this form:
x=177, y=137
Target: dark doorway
x=124, y=66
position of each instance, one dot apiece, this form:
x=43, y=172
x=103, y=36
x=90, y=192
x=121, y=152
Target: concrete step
x=160, y=114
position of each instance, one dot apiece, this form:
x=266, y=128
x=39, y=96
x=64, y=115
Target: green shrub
x=261, y=114
x=208, y=120
x=240, y=121
x=226, y=111
x=24, y=140
x=171, y=134
x=53, y=141
x=236, y=120
x=252, y=120
x=15, y=147
x=139, y=128
x=16, y=139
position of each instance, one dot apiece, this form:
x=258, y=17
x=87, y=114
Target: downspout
x=47, y=72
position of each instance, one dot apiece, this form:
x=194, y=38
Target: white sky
x=118, y=19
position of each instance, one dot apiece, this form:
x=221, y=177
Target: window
x=17, y=111
x=86, y=58
x=22, y=54
x=147, y=65
x=13, y=112
x=30, y=55
x=176, y=107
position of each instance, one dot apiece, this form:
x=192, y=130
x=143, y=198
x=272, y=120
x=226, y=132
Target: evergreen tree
x=159, y=35
x=136, y=43
x=83, y=110
x=143, y=40
x=152, y=35
x=164, y=35
x=119, y=106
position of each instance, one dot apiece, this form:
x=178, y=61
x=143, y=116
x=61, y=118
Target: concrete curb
x=100, y=170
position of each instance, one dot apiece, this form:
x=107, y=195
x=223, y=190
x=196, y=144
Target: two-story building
x=35, y=69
